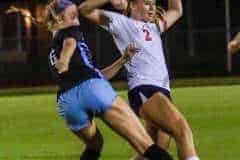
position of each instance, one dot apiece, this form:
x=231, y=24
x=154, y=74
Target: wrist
x=123, y=60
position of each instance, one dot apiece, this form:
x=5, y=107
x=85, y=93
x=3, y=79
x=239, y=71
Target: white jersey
x=148, y=67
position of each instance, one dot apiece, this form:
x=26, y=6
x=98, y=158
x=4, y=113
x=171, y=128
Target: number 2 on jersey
x=147, y=35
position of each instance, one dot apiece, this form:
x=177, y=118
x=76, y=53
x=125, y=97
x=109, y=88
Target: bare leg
x=158, y=136
x=93, y=140
x=161, y=112
x=122, y=119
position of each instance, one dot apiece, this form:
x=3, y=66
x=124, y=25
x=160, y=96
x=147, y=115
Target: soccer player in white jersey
x=148, y=78
x=234, y=45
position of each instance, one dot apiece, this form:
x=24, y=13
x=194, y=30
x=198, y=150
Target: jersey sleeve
x=73, y=32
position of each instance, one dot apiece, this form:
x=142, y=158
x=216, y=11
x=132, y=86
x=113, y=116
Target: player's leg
x=160, y=111
x=123, y=120
x=93, y=141
x=159, y=137
x=72, y=107
x=102, y=100
x=137, y=97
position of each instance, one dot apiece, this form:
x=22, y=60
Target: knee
x=94, y=142
x=182, y=129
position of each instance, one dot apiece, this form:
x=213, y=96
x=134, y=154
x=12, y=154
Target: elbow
x=180, y=13
x=179, y=8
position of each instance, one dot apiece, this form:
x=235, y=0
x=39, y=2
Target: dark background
x=194, y=47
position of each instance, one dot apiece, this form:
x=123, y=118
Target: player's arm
x=110, y=71
x=88, y=9
x=174, y=12
x=69, y=46
x=234, y=45
x=120, y=5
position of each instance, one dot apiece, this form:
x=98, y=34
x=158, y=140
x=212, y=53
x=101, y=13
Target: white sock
x=193, y=158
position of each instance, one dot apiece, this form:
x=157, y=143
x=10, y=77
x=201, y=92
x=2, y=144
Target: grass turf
x=31, y=129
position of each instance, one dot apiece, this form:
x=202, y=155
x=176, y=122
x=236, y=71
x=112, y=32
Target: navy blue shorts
x=80, y=104
x=139, y=95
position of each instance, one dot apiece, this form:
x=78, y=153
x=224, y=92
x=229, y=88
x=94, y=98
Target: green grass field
x=31, y=129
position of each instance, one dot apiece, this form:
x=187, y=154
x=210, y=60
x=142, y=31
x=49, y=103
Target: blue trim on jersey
x=84, y=53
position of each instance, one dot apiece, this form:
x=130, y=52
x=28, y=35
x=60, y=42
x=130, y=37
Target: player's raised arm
x=234, y=45
x=174, y=12
x=120, y=5
x=89, y=9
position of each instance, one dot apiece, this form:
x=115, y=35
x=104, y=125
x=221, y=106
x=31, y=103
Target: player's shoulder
x=116, y=16
x=71, y=32
x=156, y=28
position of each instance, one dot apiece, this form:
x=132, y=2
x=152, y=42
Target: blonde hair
x=52, y=18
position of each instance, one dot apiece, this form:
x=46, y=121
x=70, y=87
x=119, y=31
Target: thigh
x=160, y=137
x=123, y=120
x=160, y=111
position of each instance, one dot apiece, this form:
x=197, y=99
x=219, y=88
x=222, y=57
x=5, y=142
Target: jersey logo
x=147, y=35
x=52, y=57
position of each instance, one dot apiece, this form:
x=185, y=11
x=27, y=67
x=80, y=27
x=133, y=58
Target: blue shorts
x=139, y=95
x=80, y=104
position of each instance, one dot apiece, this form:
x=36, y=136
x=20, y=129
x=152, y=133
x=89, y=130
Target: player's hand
x=233, y=47
x=130, y=51
x=62, y=66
